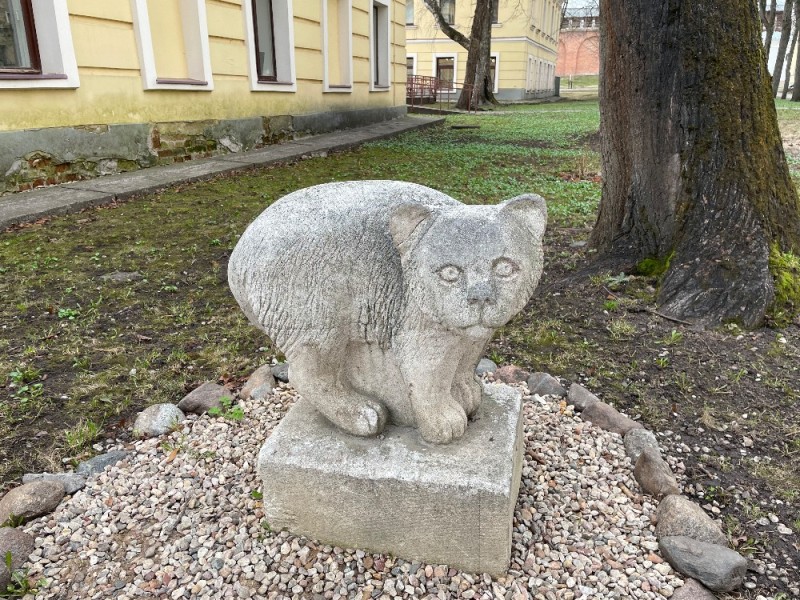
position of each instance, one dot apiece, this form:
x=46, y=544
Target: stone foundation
x=38, y=157
x=450, y=504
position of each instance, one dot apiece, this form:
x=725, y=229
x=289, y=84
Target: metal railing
x=422, y=89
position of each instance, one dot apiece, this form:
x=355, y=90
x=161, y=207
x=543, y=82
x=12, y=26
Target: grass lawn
x=79, y=355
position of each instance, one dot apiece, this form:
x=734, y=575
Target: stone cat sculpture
x=383, y=295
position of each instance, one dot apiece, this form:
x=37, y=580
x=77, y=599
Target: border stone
x=485, y=366
x=679, y=516
x=395, y=495
x=718, y=567
x=98, y=463
x=20, y=545
x=609, y=418
x=260, y=384
x=545, y=384
x=654, y=475
x=637, y=440
x=157, y=419
x=31, y=500
x=580, y=397
x=281, y=372
x=203, y=398
x=72, y=482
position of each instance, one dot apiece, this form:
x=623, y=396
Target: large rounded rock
x=157, y=419
x=485, y=366
x=281, y=372
x=609, y=418
x=98, y=463
x=201, y=399
x=679, y=516
x=72, y=482
x=544, y=384
x=654, y=475
x=718, y=568
x=260, y=384
x=511, y=374
x=579, y=397
x=692, y=590
x=636, y=440
x=31, y=500
x=20, y=545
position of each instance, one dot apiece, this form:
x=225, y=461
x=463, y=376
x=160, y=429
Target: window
x=36, y=45
x=409, y=12
x=269, y=33
x=493, y=72
x=18, y=50
x=172, y=38
x=338, y=45
x=264, y=35
x=379, y=48
x=445, y=71
x=495, y=10
x=449, y=11
x=411, y=65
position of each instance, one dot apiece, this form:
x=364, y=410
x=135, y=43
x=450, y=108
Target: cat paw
x=369, y=418
x=444, y=423
x=468, y=393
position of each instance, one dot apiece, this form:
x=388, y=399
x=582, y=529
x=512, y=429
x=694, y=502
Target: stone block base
x=398, y=495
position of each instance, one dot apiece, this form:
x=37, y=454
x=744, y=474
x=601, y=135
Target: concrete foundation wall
x=37, y=157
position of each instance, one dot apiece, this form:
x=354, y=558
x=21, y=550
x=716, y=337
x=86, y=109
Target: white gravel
x=176, y=519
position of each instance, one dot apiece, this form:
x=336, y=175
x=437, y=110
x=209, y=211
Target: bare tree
x=477, y=81
x=767, y=16
x=786, y=34
x=790, y=55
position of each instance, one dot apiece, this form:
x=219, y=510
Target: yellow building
x=524, y=45
x=96, y=86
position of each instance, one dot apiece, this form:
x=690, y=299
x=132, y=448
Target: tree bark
x=796, y=89
x=786, y=34
x=477, y=86
x=790, y=54
x=693, y=164
x=478, y=47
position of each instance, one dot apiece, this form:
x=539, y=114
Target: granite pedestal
x=396, y=494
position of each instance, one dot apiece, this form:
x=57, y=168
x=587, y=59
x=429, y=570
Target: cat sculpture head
x=471, y=268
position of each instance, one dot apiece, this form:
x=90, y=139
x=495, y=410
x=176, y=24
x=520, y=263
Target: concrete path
x=23, y=207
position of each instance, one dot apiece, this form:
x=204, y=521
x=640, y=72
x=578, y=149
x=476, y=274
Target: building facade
x=579, y=45
x=524, y=45
x=90, y=87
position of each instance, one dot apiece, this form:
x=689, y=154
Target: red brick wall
x=578, y=52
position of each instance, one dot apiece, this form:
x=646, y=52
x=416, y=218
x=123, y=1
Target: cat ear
x=405, y=220
x=530, y=209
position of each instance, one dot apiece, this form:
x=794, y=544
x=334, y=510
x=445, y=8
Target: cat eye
x=450, y=273
x=504, y=267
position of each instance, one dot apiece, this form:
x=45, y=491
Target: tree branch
x=435, y=7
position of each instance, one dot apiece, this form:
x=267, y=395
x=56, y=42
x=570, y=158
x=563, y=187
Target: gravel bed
x=180, y=518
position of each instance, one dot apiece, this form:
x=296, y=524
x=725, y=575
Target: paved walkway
x=62, y=199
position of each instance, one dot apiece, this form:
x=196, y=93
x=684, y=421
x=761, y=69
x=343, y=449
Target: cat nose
x=480, y=293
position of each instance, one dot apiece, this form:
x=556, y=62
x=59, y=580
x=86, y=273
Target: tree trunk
x=786, y=34
x=768, y=22
x=694, y=169
x=796, y=89
x=476, y=77
x=790, y=55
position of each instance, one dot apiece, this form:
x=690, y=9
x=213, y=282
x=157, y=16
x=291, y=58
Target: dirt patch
x=727, y=400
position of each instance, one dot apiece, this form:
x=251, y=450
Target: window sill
x=273, y=86
x=180, y=81
x=340, y=89
x=8, y=75
x=380, y=88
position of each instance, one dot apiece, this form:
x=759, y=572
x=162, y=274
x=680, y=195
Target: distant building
x=524, y=42
x=579, y=44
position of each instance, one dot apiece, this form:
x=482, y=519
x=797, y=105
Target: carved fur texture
x=383, y=295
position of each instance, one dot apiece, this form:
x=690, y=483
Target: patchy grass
x=80, y=354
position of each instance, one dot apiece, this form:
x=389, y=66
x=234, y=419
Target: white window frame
x=283, y=27
x=345, y=47
x=496, y=86
x=194, y=26
x=56, y=52
x=384, y=50
x=452, y=55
